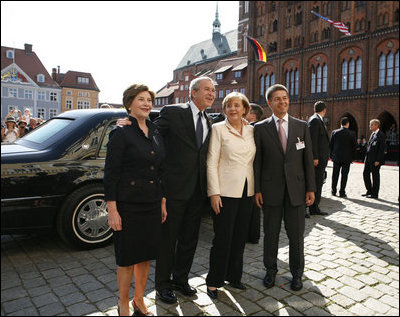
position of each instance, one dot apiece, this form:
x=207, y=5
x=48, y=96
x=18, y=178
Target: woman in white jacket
x=230, y=186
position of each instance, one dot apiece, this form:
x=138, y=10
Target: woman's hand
x=216, y=203
x=163, y=209
x=114, y=219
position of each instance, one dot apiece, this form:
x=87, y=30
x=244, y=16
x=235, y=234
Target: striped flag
x=339, y=25
x=260, y=53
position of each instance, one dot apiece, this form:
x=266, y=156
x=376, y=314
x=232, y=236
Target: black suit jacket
x=376, y=149
x=133, y=167
x=343, y=145
x=185, y=164
x=275, y=170
x=319, y=138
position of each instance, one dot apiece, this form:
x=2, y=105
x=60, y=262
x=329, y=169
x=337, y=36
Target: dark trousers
x=372, y=189
x=180, y=235
x=319, y=181
x=293, y=217
x=230, y=234
x=255, y=222
x=345, y=168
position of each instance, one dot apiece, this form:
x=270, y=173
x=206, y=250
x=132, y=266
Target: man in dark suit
x=185, y=128
x=343, y=146
x=284, y=182
x=320, y=149
x=374, y=158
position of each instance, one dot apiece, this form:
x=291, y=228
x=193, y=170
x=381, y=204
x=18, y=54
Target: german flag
x=258, y=49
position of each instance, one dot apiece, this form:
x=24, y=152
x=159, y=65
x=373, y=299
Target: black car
x=53, y=178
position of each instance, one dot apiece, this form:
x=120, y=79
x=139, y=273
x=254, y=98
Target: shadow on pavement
x=375, y=204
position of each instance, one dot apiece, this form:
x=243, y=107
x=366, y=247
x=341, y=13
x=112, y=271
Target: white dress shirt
x=285, y=123
x=195, y=113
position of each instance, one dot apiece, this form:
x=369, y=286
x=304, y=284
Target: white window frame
x=12, y=92
x=69, y=93
x=10, y=54
x=52, y=112
x=243, y=91
x=41, y=95
x=41, y=110
x=220, y=76
x=69, y=104
x=221, y=93
x=40, y=78
x=186, y=78
x=28, y=94
x=53, y=96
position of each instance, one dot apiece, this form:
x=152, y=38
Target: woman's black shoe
x=213, y=294
x=237, y=285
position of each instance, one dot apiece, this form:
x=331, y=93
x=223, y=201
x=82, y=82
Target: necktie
x=199, y=131
x=282, y=135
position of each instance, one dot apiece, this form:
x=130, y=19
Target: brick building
x=357, y=76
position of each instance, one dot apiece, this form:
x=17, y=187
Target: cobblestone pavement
x=352, y=267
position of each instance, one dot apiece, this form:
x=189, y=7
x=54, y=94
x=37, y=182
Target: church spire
x=216, y=23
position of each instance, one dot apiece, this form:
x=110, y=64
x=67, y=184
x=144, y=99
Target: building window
x=319, y=78
x=325, y=78
x=52, y=113
x=228, y=91
x=40, y=78
x=87, y=95
x=292, y=81
x=238, y=74
x=246, y=7
x=10, y=54
x=41, y=112
x=86, y=104
x=53, y=96
x=80, y=104
x=68, y=104
x=262, y=85
x=344, y=75
x=220, y=76
x=299, y=18
x=296, y=85
x=182, y=87
x=243, y=91
x=221, y=93
x=186, y=87
x=12, y=92
x=358, y=73
x=69, y=93
x=83, y=80
x=177, y=100
x=351, y=73
x=28, y=94
x=267, y=83
x=41, y=95
x=396, y=68
x=186, y=78
x=389, y=69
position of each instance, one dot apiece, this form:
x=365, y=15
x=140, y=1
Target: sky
x=118, y=42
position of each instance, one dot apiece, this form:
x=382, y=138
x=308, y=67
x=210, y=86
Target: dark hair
x=344, y=121
x=319, y=106
x=257, y=110
x=132, y=91
x=274, y=88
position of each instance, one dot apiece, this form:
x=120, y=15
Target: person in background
x=3, y=131
x=374, y=158
x=284, y=183
x=342, y=146
x=134, y=195
x=230, y=186
x=105, y=105
x=255, y=114
x=32, y=124
x=11, y=132
x=27, y=114
x=320, y=148
x=22, y=128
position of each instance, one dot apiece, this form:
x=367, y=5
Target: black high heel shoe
x=212, y=293
x=138, y=312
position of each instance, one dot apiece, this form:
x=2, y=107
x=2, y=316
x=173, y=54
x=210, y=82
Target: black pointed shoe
x=269, y=280
x=185, y=289
x=296, y=284
x=167, y=296
x=237, y=285
x=212, y=293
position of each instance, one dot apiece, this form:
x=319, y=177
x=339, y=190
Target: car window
x=103, y=147
x=47, y=130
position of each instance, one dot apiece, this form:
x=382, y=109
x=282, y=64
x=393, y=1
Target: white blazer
x=230, y=160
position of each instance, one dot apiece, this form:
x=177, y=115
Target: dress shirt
x=195, y=113
x=285, y=123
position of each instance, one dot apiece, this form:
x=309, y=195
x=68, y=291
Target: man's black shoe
x=372, y=196
x=237, y=285
x=343, y=195
x=269, y=280
x=296, y=284
x=307, y=214
x=333, y=193
x=213, y=294
x=318, y=212
x=185, y=289
x=167, y=296
x=366, y=194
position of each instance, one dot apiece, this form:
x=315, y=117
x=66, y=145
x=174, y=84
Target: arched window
x=389, y=69
x=292, y=81
x=351, y=73
x=262, y=85
x=272, y=79
x=313, y=77
x=396, y=68
x=344, y=75
x=358, y=73
x=325, y=78
x=319, y=78
x=267, y=82
x=382, y=69
x=288, y=81
x=296, y=85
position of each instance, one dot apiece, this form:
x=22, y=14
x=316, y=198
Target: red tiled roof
x=70, y=79
x=30, y=64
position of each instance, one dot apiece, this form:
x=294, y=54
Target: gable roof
x=30, y=63
x=166, y=91
x=219, y=45
x=70, y=80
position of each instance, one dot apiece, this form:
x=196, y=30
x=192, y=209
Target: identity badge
x=300, y=144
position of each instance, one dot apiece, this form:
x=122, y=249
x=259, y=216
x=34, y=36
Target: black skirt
x=139, y=239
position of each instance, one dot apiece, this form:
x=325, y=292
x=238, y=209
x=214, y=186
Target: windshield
x=48, y=130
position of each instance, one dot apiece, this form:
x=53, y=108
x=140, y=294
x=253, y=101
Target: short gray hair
x=375, y=122
x=195, y=84
x=274, y=88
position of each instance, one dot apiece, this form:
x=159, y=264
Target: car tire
x=83, y=219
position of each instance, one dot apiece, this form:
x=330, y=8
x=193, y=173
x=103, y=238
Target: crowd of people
x=16, y=125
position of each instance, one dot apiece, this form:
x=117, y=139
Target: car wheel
x=83, y=218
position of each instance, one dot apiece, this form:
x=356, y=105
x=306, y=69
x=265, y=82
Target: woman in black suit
x=136, y=207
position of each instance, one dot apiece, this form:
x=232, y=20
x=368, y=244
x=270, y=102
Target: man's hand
x=310, y=197
x=376, y=163
x=124, y=121
x=216, y=203
x=259, y=199
x=315, y=161
x=163, y=209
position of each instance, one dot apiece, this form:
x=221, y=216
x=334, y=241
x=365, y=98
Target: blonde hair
x=242, y=97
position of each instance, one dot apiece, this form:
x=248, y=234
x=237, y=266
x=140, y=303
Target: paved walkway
x=352, y=267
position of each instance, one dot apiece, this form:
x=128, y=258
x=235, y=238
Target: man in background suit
x=374, y=158
x=343, y=146
x=284, y=182
x=320, y=149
